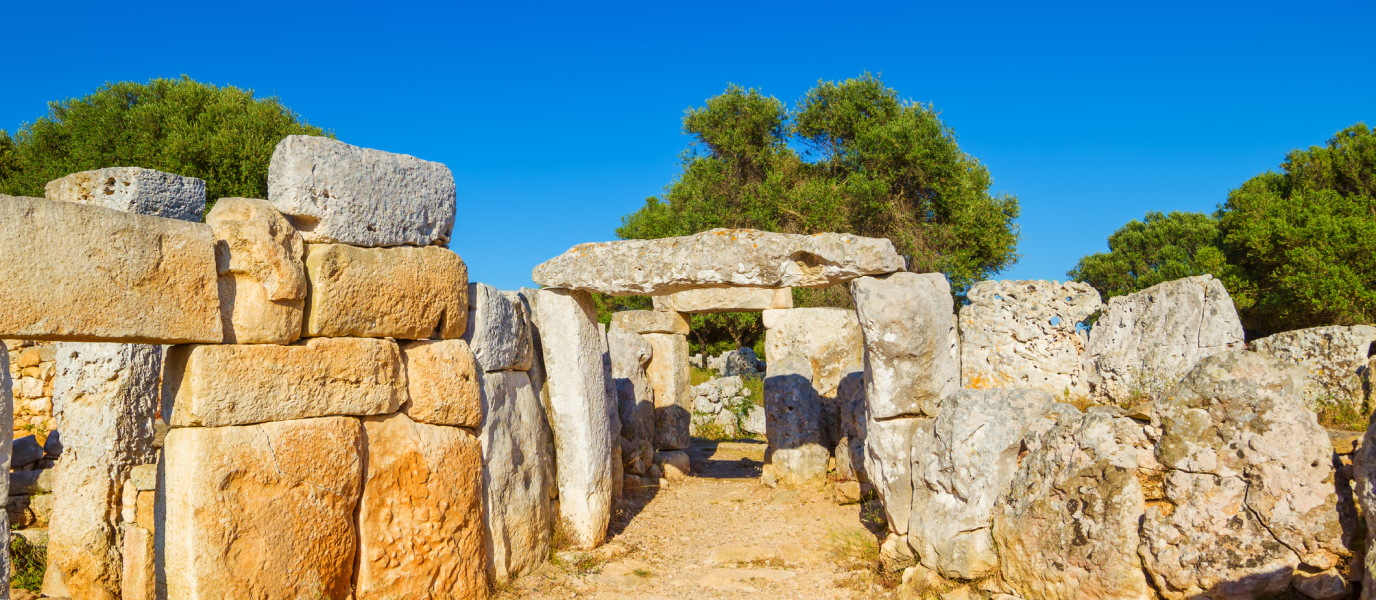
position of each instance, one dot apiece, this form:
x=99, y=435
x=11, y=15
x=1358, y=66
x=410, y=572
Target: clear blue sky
x=557, y=120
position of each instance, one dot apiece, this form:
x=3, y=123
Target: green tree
x=222, y=135
x=1159, y=248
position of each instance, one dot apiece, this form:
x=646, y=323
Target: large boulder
x=518, y=475
x=650, y=321
x=1145, y=342
x=404, y=293
x=850, y=446
x=498, y=330
x=630, y=354
x=888, y=463
x=1249, y=483
x=1023, y=334
x=912, y=357
x=828, y=338
x=441, y=383
x=262, y=278
x=337, y=193
x=673, y=393
x=797, y=453
x=1333, y=360
x=6, y=420
x=718, y=258
x=720, y=300
x=133, y=190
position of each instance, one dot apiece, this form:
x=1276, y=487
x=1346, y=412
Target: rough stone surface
x=850, y=447
x=673, y=393
x=441, y=383
x=1249, y=481
x=1333, y=359
x=1022, y=334
x=518, y=475
x=650, y=321
x=797, y=454
x=912, y=356
x=138, y=575
x=334, y=192
x=213, y=386
x=889, y=465
x=6, y=418
x=260, y=511
x=580, y=411
x=630, y=354
x=105, y=399
x=1147, y=341
x=420, y=525
x=84, y=273
x=828, y=338
x=960, y=467
x=402, y=293
x=25, y=451
x=262, y=280
x=133, y=190
x=498, y=330
x=720, y=300
x=718, y=258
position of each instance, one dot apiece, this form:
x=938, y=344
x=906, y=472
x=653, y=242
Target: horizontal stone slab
x=76, y=272
x=213, y=386
x=650, y=321
x=406, y=293
x=133, y=190
x=718, y=258
x=335, y=192
x=720, y=300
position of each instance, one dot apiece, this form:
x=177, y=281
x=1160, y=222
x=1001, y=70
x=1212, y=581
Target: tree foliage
x=1159, y=248
x=222, y=135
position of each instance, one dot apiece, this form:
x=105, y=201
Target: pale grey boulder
x=650, y=321
x=1023, y=334
x=630, y=354
x=1333, y=359
x=133, y=190
x=6, y=419
x=498, y=330
x=755, y=421
x=889, y=465
x=850, y=448
x=337, y=193
x=797, y=453
x=716, y=259
x=518, y=475
x=828, y=338
x=673, y=393
x=912, y=357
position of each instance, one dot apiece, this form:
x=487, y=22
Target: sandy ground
x=719, y=534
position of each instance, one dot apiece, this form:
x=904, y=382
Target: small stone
x=675, y=464
x=404, y=293
x=133, y=190
x=137, y=577
x=25, y=452
x=1345, y=442
x=28, y=483
x=144, y=478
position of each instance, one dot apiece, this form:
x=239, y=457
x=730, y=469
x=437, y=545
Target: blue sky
x=557, y=120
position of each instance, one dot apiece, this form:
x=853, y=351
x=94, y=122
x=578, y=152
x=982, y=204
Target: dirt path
x=719, y=534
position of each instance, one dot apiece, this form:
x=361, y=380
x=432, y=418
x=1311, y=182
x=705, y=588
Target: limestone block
x=828, y=338
x=1146, y=342
x=1023, y=334
x=337, y=193
x=650, y=321
x=889, y=464
x=260, y=511
x=214, y=386
x=137, y=581
x=797, y=454
x=27, y=483
x=104, y=401
x=84, y=273
x=442, y=383
x=133, y=190
x=673, y=393
x=630, y=354
x=1249, y=480
x=262, y=280
x=518, y=475
x=6, y=421
x=960, y=467
x=850, y=447
x=718, y=258
x=912, y=356
x=420, y=527
x=498, y=330
x=1333, y=360
x=720, y=300
x=402, y=293
x=580, y=411
x=528, y=297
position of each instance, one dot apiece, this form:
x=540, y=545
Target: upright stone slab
x=720, y=300
x=518, y=476
x=420, y=519
x=6, y=451
x=105, y=399
x=631, y=354
x=1023, y=335
x=579, y=412
x=262, y=283
x=911, y=351
x=650, y=321
x=828, y=338
x=260, y=511
x=133, y=190
x=74, y=272
x=402, y=293
x=1146, y=342
x=797, y=453
x=718, y=258
x=337, y=193
x=498, y=330
x=1333, y=359
x=673, y=392
x=889, y=464
x=442, y=383
x=613, y=417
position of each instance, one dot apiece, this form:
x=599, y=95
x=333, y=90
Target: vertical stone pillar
x=630, y=356
x=6, y=446
x=793, y=417
x=670, y=378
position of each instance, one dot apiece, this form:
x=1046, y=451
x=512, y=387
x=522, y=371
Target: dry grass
x=857, y=551
x=29, y=561
x=1334, y=414
x=697, y=376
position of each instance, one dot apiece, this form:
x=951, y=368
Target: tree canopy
x=222, y=135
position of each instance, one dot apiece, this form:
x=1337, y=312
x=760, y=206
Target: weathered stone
x=6, y=420
x=1345, y=442
x=850, y=447
x=338, y=193
x=960, y=467
x=675, y=463
x=912, y=357
x=889, y=465
x=214, y=386
x=498, y=330
x=420, y=527
x=718, y=258
x=1146, y=342
x=137, y=577
x=133, y=190
x=650, y=321
x=25, y=452
x=630, y=354
x=1249, y=479
x=755, y=421
x=27, y=483
x=1023, y=334
x=741, y=362
x=828, y=338
x=262, y=280
x=104, y=401
x=85, y=273
x=720, y=300
x=441, y=383
x=797, y=455
x=403, y=293
x=242, y=504
x=1333, y=360
x=670, y=378
x=613, y=416
x=579, y=412
x=518, y=475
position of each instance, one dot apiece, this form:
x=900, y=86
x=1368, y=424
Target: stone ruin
x=304, y=396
